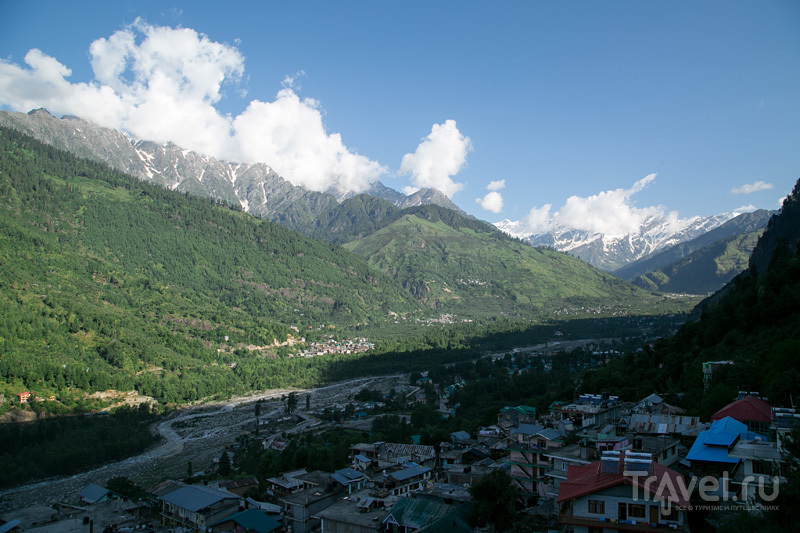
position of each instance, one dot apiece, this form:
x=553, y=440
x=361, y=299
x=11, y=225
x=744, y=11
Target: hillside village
x=585, y=464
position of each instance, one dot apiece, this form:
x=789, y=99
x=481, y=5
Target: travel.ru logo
x=709, y=488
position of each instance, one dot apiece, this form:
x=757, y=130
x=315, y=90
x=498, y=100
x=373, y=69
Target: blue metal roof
x=194, y=498
x=11, y=524
x=713, y=444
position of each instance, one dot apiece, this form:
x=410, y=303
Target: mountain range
x=111, y=282
x=257, y=189
x=612, y=252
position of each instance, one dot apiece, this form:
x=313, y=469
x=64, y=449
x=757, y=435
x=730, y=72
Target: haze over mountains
x=259, y=190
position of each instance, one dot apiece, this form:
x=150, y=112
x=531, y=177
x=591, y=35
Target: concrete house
x=624, y=491
x=197, y=506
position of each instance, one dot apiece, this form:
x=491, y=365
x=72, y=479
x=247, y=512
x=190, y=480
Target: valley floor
x=195, y=434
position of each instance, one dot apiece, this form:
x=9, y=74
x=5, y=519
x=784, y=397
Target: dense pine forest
x=107, y=282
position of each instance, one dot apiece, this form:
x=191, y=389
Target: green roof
x=415, y=513
x=523, y=409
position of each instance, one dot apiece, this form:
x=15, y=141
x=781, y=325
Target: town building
x=709, y=367
x=750, y=410
x=407, y=480
x=197, y=506
x=527, y=447
x=591, y=410
x=710, y=452
x=623, y=491
x=250, y=520
x=354, y=514
x=754, y=478
x=349, y=479
x=514, y=416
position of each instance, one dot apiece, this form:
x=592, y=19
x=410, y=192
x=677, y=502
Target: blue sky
x=533, y=102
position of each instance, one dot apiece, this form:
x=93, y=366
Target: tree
x=495, y=498
x=290, y=402
x=224, y=468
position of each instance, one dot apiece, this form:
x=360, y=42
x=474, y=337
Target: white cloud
x=745, y=209
x=493, y=202
x=752, y=187
x=496, y=185
x=539, y=219
x=162, y=84
x=439, y=157
x=608, y=213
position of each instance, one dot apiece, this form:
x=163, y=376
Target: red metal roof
x=748, y=408
x=588, y=479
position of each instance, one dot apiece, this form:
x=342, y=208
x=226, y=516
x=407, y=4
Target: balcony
x=610, y=523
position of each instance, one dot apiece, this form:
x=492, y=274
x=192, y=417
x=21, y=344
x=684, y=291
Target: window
x=636, y=511
x=670, y=513
x=597, y=506
x=762, y=467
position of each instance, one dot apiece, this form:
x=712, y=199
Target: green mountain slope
x=740, y=225
x=754, y=321
x=703, y=271
x=461, y=265
x=109, y=282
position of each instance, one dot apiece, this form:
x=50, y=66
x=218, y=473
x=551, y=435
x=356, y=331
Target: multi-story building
x=527, y=449
x=624, y=491
x=197, y=507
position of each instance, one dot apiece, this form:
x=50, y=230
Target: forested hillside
x=705, y=270
x=107, y=282
x=754, y=322
x=463, y=265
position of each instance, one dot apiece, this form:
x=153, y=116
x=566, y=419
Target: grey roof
x=653, y=398
x=92, y=493
x=362, y=458
x=459, y=435
x=551, y=434
x=662, y=424
x=264, y=506
x=195, y=497
x=408, y=473
x=527, y=429
x=347, y=475
x=165, y=487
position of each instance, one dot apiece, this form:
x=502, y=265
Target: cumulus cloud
x=440, y=156
x=608, y=212
x=493, y=202
x=745, y=209
x=162, y=84
x=750, y=188
x=496, y=185
x=539, y=219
